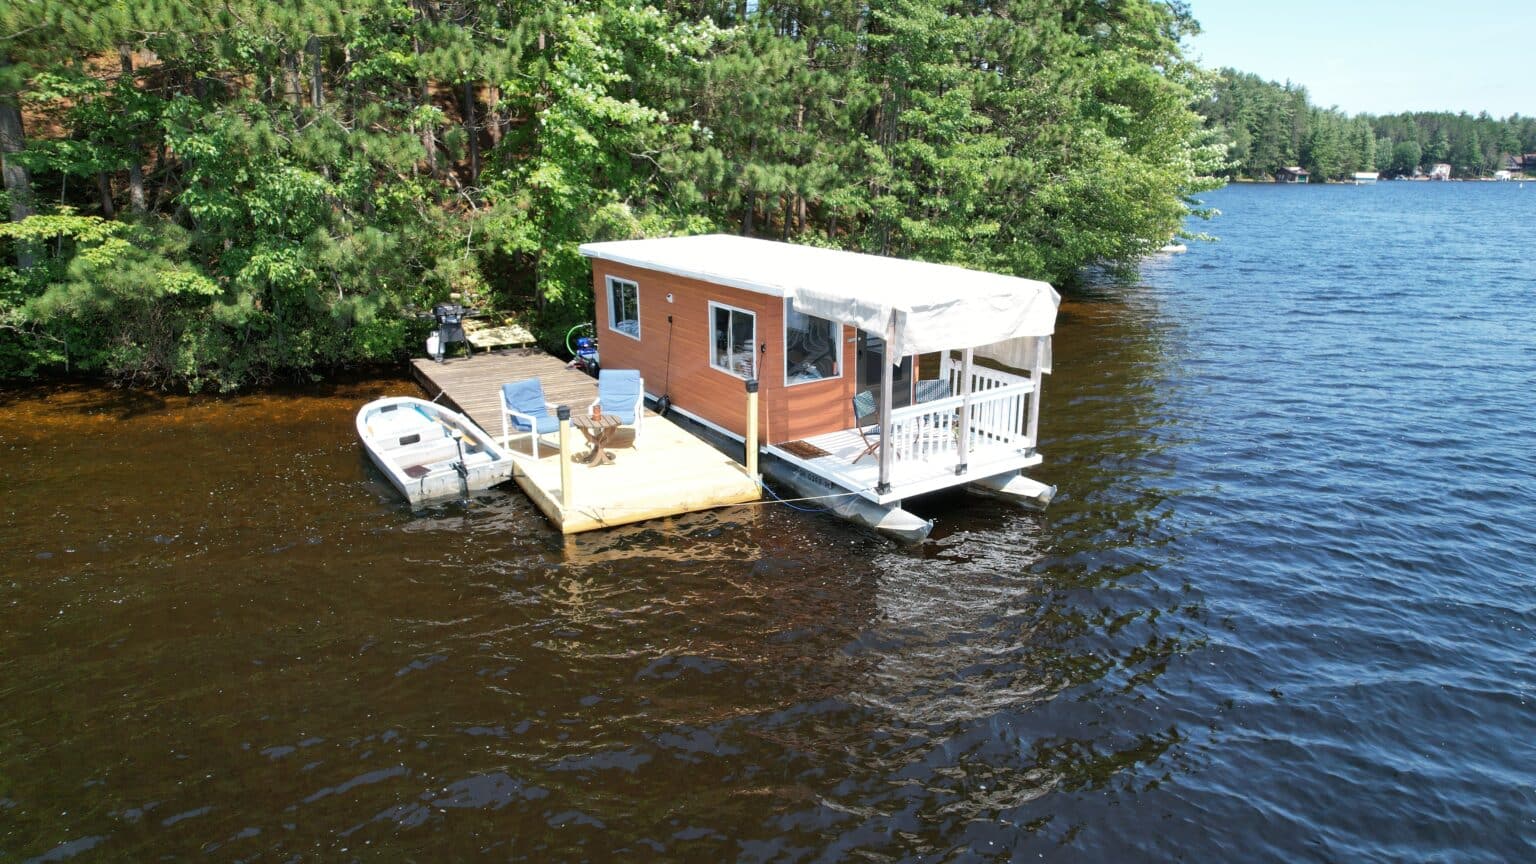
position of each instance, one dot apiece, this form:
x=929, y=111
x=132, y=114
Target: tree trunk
x=424, y=87
x=344, y=82
x=316, y=72
x=493, y=120
x=799, y=193
x=104, y=187
x=135, y=169
x=428, y=139
x=473, y=131
x=17, y=184
x=166, y=177
x=317, y=86
x=293, y=86
x=292, y=90
x=746, y=218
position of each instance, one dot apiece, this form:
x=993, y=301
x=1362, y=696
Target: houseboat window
x=811, y=347
x=734, y=337
x=624, y=307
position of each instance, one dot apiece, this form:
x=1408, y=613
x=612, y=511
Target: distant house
x=1441, y=171
x=1527, y=162
x=1502, y=175
x=1291, y=175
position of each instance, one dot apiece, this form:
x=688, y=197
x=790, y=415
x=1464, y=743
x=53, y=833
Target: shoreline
x=1249, y=181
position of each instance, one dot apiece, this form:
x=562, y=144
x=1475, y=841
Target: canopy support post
x=1036, y=364
x=964, y=444
x=884, y=486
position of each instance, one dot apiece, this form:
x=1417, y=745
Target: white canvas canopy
x=916, y=306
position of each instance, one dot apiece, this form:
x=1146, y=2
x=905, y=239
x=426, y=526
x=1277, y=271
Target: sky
x=1380, y=56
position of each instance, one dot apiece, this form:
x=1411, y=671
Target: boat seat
x=426, y=453
x=414, y=436
x=440, y=462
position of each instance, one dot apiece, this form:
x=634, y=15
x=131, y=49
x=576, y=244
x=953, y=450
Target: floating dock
x=670, y=472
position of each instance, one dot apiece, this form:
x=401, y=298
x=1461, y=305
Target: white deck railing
x=999, y=416
x=982, y=378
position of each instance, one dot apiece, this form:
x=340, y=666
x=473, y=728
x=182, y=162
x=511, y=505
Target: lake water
x=1282, y=608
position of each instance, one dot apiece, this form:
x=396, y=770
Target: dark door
x=871, y=358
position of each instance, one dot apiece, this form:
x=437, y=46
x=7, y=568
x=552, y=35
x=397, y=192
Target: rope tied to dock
x=790, y=502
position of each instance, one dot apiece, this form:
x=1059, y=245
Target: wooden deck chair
x=523, y=410
x=864, y=406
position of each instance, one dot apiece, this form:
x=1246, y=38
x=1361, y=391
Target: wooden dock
x=670, y=472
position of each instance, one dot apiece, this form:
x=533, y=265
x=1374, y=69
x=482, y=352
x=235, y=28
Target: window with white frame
x=624, y=307
x=733, y=340
x=812, y=347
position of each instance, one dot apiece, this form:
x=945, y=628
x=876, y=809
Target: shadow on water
x=121, y=403
x=240, y=642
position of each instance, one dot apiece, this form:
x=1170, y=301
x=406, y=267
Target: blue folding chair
x=621, y=393
x=866, y=408
x=523, y=410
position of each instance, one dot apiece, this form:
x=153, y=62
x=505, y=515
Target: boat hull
x=1014, y=486
x=889, y=520
x=429, y=452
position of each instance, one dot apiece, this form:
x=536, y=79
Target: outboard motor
x=461, y=467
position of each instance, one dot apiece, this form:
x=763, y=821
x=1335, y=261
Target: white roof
x=918, y=307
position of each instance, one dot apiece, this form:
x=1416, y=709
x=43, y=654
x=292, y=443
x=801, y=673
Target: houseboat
x=880, y=379
x=1365, y=178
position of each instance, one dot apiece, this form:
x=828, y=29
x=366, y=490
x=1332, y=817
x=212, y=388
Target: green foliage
x=1267, y=126
x=250, y=190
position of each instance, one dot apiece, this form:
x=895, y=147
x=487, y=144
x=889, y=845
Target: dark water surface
x=1283, y=608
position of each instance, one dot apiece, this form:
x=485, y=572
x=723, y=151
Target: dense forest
x=209, y=195
x=1268, y=126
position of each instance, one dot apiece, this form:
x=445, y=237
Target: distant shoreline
x=1253, y=182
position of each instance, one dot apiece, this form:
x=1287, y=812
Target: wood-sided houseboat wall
x=697, y=385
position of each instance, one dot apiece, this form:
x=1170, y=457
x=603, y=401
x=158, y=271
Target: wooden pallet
x=485, y=335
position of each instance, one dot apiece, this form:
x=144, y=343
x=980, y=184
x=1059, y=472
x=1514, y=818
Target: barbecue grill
x=450, y=327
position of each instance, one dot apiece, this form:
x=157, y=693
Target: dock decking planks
x=671, y=472
x=471, y=382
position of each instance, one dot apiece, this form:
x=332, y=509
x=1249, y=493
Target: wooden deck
x=668, y=473
x=471, y=383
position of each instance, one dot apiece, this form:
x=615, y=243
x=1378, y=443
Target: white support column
x=564, y=414
x=1037, y=363
x=886, y=444
x=751, y=452
x=963, y=446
